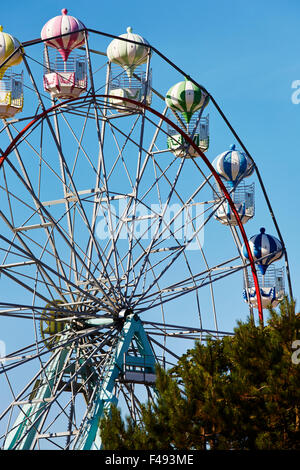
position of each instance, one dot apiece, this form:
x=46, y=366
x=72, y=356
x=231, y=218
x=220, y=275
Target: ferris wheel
x=118, y=232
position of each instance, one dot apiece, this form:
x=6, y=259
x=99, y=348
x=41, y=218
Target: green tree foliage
x=240, y=392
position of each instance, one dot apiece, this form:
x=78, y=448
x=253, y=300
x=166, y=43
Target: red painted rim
x=190, y=142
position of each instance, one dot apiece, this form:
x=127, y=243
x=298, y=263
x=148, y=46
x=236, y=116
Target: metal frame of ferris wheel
x=68, y=345
x=218, y=108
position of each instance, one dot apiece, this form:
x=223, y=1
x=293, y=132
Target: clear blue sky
x=245, y=53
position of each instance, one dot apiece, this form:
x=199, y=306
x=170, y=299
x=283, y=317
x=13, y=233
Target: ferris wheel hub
x=124, y=313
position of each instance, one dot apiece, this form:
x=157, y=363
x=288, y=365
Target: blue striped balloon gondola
x=265, y=249
x=233, y=165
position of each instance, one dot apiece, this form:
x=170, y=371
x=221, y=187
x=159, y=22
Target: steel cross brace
x=90, y=438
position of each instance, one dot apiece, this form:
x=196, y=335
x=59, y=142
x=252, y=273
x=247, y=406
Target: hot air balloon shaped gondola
x=65, y=74
x=11, y=84
x=265, y=250
x=189, y=100
x=133, y=79
x=233, y=166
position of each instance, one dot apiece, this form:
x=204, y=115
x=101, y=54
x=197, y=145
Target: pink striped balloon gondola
x=62, y=25
x=65, y=76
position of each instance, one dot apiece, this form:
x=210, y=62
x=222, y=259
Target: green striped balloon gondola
x=188, y=99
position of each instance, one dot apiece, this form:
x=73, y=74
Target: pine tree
x=240, y=392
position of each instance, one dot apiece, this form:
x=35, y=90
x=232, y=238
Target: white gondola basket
x=271, y=286
x=11, y=95
x=243, y=197
x=64, y=79
x=136, y=87
x=197, y=129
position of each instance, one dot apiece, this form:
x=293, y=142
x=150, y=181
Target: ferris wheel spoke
x=161, y=328
x=163, y=175
x=9, y=195
x=64, y=170
x=115, y=233
x=173, y=234
x=38, y=204
x=151, y=267
x=155, y=236
x=121, y=158
x=62, y=409
x=68, y=309
x=141, y=167
x=196, y=291
x=44, y=406
x=200, y=248
x=39, y=154
x=76, y=249
x=30, y=352
x=69, y=283
x=134, y=199
x=132, y=402
x=163, y=347
x=82, y=211
x=23, y=284
x=110, y=246
x=65, y=167
x=187, y=290
x=101, y=165
x=195, y=235
x=17, y=399
x=53, y=386
x=142, y=296
x=43, y=272
x=139, y=173
x=16, y=358
x=138, y=243
x=49, y=217
x=91, y=241
x=159, y=295
x=34, y=412
x=34, y=89
x=32, y=280
x=79, y=140
x=120, y=223
x=132, y=140
x=37, y=245
x=105, y=262
x=195, y=281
